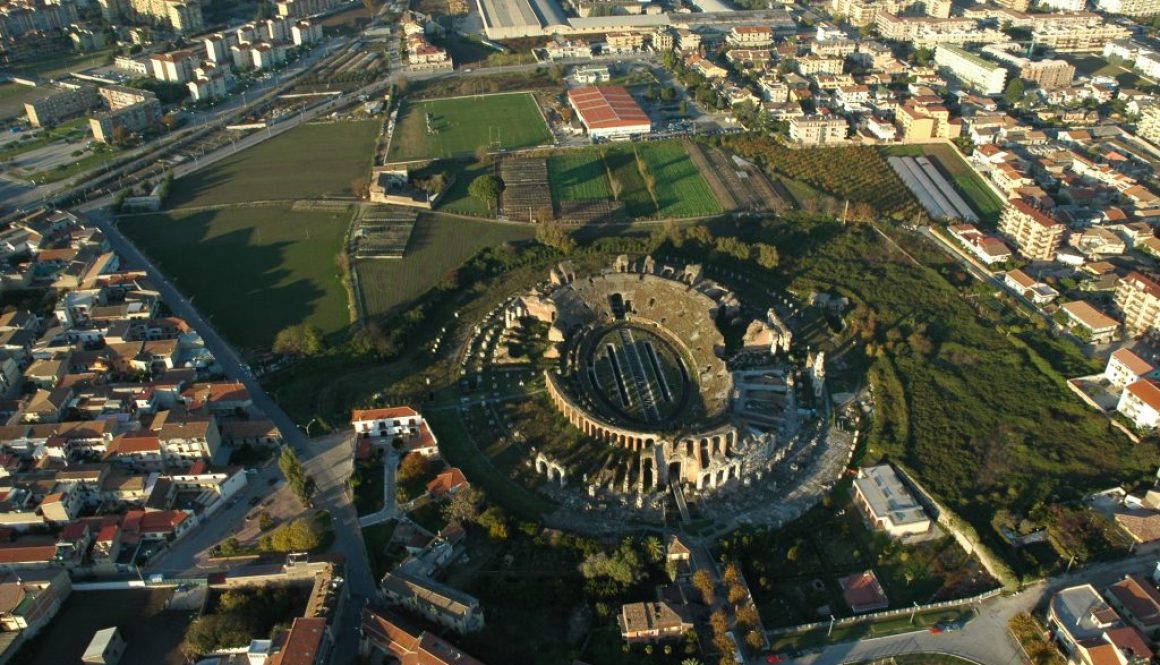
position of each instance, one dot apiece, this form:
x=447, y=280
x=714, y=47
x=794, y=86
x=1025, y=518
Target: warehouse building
x=509, y=19
x=609, y=112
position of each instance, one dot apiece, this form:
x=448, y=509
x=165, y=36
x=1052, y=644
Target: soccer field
x=311, y=161
x=253, y=270
x=460, y=125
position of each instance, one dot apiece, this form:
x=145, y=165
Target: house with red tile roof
x=447, y=482
x=308, y=642
x=389, y=635
x=1140, y=403
x=1136, y=599
x=863, y=592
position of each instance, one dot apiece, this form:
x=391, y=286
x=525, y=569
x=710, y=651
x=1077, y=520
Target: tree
x=483, y=154
x=300, y=482
x=487, y=189
x=215, y=631
x=463, y=506
x=755, y=640
x=1014, y=91
x=615, y=186
x=301, y=340
x=732, y=573
x=654, y=548
x=554, y=235
x=767, y=256
x=719, y=621
x=414, y=465
x=495, y=522
x=703, y=582
x=737, y=593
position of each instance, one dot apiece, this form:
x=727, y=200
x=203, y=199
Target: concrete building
x=750, y=36
x=1048, y=74
x=433, y=600
x=609, y=112
x=1129, y=7
x=1140, y=403
x=210, y=83
x=817, y=130
x=1148, y=128
x=119, y=96
x=970, y=69
x=1036, y=234
x=1098, y=327
x=1091, y=632
x=921, y=122
x=1077, y=38
x=304, y=33
x=1137, y=299
x=175, y=66
x=887, y=503
x=1125, y=367
x=508, y=19
x=182, y=16
x=60, y=106
x=135, y=118
x=106, y=648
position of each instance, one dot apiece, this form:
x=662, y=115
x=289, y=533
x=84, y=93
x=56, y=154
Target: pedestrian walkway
x=389, y=509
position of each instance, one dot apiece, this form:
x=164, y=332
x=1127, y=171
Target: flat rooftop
x=887, y=496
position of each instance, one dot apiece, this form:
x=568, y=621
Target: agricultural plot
x=438, y=245
x=276, y=266
x=459, y=126
x=968, y=182
x=312, y=161
x=584, y=176
x=384, y=232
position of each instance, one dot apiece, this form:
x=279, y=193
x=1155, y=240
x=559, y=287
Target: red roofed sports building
x=609, y=112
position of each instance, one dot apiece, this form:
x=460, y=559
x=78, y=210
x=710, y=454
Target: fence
x=887, y=614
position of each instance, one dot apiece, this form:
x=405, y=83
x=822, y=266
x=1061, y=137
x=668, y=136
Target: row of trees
x=301, y=483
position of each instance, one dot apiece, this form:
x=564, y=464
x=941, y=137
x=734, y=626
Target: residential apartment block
x=134, y=118
x=1148, y=128
x=816, y=130
x=1137, y=299
x=970, y=69
x=1129, y=7
x=60, y=106
x=1036, y=234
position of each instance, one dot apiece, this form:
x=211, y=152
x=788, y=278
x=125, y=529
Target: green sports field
x=311, y=161
x=680, y=191
x=576, y=176
x=253, y=270
x=438, y=245
x=460, y=125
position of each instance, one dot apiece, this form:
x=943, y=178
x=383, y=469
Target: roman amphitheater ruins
x=640, y=366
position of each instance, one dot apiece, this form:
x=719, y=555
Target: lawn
x=577, y=176
x=680, y=189
x=1094, y=65
x=438, y=245
x=277, y=267
x=583, y=175
x=969, y=183
x=65, y=63
x=14, y=96
x=368, y=487
x=462, y=124
x=312, y=161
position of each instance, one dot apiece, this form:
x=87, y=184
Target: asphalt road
x=328, y=459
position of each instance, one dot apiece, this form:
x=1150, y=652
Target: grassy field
x=577, y=176
x=312, y=161
x=966, y=180
x=13, y=96
x=680, y=189
x=465, y=124
x=62, y=64
x=1094, y=65
x=276, y=266
x=438, y=245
